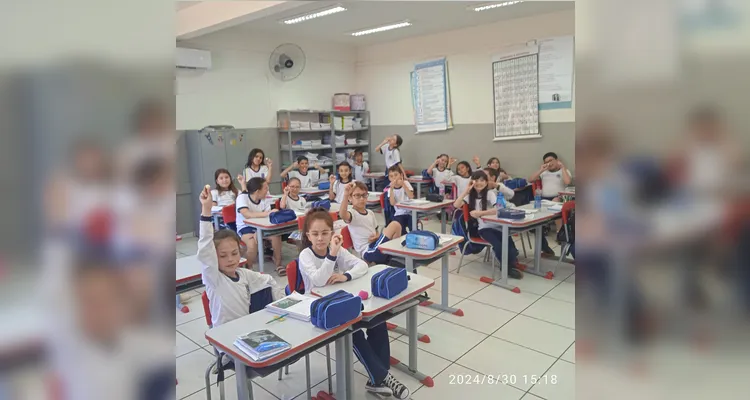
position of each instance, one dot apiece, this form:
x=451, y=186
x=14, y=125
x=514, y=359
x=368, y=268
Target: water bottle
x=538, y=198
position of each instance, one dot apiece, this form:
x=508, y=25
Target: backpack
x=460, y=228
x=388, y=210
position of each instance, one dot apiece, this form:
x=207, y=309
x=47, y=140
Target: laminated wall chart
x=556, y=72
x=431, y=96
x=516, y=93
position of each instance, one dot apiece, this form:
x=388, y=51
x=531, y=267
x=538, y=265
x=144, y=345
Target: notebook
x=296, y=305
x=262, y=344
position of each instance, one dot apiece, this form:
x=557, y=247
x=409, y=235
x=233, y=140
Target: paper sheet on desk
x=415, y=202
x=445, y=239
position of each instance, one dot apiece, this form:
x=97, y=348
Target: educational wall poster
x=431, y=96
x=556, y=72
x=516, y=93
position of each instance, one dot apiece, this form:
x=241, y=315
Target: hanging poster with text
x=516, y=94
x=556, y=72
x=431, y=96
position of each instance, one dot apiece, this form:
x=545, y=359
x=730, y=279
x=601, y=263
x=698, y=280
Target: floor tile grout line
x=544, y=373
x=190, y=352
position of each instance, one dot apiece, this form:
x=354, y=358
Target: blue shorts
x=405, y=221
x=246, y=230
x=373, y=255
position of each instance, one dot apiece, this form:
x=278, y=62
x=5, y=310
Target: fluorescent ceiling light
x=307, y=17
x=495, y=5
x=383, y=28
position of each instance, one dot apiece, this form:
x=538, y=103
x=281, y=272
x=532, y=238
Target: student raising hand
x=206, y=200
x=476, y=162
x=332, y=179
x=241, y=181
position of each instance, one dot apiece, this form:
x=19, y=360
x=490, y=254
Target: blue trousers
x=495, y=237
x=374, y=352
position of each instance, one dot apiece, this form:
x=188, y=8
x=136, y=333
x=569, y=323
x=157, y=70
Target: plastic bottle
x=538, y=198
x=442, y=191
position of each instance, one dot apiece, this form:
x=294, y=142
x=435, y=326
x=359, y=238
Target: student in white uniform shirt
x=336, y=190
x=400, y=191
x=389, y=148
x=555, y=177
x=324, y=263
x=462, y=176
x=440, y=170
x=257, y=166
x=363, y=226
x=228, y=286
x=251, y=203
x=498, y=187
x=291, y=200
x=225, y=192
x=301, y=170
x=481, y=203
x=359, y=166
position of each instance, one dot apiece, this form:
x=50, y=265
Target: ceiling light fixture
x=307, y=17
x=384, y=28
x=495, y=5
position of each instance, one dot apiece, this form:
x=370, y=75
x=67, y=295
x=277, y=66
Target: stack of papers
x=297, y=306
x=316, y=143
x=312, y=157
x=556, y=207
x=261, y=345
x=305, y=143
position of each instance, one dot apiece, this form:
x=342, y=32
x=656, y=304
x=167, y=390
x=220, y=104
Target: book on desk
x=296, y=305
x=261, y=345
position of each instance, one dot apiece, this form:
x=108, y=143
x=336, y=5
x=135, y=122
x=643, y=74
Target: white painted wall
x=239, y=89
x=382, y=71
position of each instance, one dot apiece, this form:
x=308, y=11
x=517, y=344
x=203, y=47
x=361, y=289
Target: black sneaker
x=378, y=389
x=400, y=391
x=515, y=273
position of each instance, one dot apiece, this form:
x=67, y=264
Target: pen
x=277, y=318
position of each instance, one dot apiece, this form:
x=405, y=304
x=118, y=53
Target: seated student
x=496, y=186
x=481, y=203
x=400, y=191
x=251, y=203
x=291, y=200
x=555, y=177
x=440, y=170
x=494, y=163
x=301, y=170
x=462, y=177
x=502, y=176
x=363, y=226
x=336, y=190
x=359, y=165
x=257, y=166
x=323, y=263
x=225, y=192
x=227, y=285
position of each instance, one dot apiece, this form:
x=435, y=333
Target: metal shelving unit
x=289, y=151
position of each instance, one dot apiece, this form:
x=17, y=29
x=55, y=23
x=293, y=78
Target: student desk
x=373, y=177
x=419, y=180
x=508, y=226
x=373, y=199
x=303, y=337
x=188, y=276
x=264, y=228
x=313, y=191
x=394, y=248
x=427, y=207
x=568, y=194
x=375, y=306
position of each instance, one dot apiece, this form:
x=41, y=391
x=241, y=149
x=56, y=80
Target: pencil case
x=421, y=240
x=324, y=185
x=506, y=213
x=335, y=309
x=322, y=204
x=389, y=282
x=281, y=216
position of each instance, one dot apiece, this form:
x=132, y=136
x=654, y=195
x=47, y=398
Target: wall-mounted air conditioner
x=193, y=59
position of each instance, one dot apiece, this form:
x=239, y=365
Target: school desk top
x=373, y=174
x=313, y=191
x=376, y=305
x=418, y=179
x=189, y=268
x=424, y=205
x=542, y=214
x=394, y=247
x=299, y=334
x=265, y=223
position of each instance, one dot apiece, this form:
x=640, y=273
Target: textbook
x=260, y=345
x=296, y=305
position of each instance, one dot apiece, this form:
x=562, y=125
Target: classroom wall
x=382, y=74
x=239, y=89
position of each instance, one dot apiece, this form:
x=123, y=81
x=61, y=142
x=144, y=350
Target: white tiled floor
x=526, y=339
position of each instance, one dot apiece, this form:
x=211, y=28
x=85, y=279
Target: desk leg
x=538, y=256
x=411, y=369
x=259, y=236
x=216, y=222
x=180, y=306
x=443, y=306
x=414, y=220
x=372, y=183
x=344, y=350
x=244, y=387
x=419, y=190
x=443, y=220
x=503, y=281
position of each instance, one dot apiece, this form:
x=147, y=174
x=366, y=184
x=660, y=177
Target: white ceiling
x=427, y=17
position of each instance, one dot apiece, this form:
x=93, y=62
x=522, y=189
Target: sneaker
x=400, y=391
x=378, y=389
x=515, y=273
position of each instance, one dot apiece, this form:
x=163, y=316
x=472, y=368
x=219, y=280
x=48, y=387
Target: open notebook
x=296, y=305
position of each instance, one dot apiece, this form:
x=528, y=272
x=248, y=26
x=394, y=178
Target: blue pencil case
x=324, y=185
x=389, y=282
x=422, y=240
x=334, y=310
